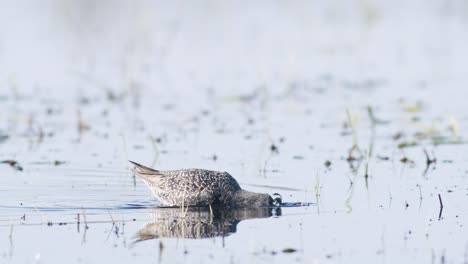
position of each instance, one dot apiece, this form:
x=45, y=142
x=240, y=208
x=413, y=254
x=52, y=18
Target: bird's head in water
x=245, y=198
x=250, y=199
x=277, y=199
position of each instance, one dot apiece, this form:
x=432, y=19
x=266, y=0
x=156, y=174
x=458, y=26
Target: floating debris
x=385, y=158
x=59, y=162
x=274, y=149
x=407, y=145
x=289, y=250
x=13, y=163
x=397, y=136
x=406, y=160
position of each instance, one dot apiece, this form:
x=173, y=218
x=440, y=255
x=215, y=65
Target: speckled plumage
x=197, y=187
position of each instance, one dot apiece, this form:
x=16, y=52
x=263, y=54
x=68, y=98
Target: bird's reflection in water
x=199, y=222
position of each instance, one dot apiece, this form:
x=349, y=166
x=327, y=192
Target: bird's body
x=197, y=187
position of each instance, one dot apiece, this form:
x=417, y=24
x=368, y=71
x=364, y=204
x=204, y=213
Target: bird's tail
x=141, y=170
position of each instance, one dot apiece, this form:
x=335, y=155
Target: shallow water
x=261, y=92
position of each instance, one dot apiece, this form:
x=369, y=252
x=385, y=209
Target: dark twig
x=440, y=201
x=441, y=206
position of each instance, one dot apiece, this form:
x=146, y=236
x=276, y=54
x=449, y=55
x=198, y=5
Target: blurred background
x=178, y=48
x=195, y=55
